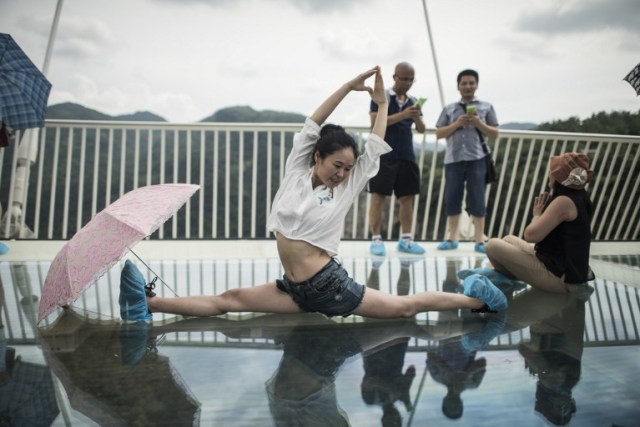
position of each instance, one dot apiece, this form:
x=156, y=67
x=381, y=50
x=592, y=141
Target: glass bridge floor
x=549, y=360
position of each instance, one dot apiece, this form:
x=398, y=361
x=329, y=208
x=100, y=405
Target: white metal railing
x=82, y=166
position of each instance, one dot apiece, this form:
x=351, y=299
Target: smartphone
x=420, y=102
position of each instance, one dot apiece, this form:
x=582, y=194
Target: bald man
x=399, y=173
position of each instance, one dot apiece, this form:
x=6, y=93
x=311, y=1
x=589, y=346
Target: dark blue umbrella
x=28, y=397
x=24, y=90
x=633, y=78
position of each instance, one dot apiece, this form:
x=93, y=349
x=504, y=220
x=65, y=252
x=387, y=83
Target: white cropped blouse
x=300, y=212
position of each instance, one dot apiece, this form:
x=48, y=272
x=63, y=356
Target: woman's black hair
x=333, y=138
x=557, y=189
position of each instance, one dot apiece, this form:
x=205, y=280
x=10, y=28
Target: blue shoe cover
x=480, y=248
x=480, y=287
x=133, y=300
x=377, y=248
x=448, y=245
x=410, y=247
x=496, y=278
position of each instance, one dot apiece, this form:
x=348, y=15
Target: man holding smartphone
x=466, y=125
x=399, y=172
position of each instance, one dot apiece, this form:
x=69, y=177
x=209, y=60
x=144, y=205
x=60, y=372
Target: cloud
x=326, y=5
x=126, y=98
x=83, y=37
x=525, y=50
x=188, y=58
x=584, y=16
x=38, y=25
x=76, y=36
x=554, y=32
x=321, y=6
x=362, y=44
x=211, y=3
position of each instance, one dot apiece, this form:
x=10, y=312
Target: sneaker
x=377, y=248
x=480, y=248
x=133, y=298
x=410, y=247
x=448, y=245
x=479, y=287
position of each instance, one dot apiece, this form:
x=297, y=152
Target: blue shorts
x=456, y=174
x=330, y=291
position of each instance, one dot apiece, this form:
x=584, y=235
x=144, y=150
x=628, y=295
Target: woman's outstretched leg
x=378, y=304
x=479, y=293
x=135, y=305
x=260, y=299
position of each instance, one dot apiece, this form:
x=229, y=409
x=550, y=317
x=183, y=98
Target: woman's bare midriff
x=301, y=260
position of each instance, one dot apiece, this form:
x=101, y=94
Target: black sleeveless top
x=566, y=249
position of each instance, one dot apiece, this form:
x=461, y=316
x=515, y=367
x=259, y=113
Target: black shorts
x=401, y=177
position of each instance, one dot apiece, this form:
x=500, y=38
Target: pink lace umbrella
x=106, y=238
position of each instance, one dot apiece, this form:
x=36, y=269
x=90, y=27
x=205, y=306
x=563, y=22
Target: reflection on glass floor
x=559, y=360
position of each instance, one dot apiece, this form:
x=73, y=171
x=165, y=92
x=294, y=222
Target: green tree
x=616, y=122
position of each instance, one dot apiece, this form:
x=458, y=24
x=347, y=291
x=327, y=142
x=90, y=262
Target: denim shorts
x=330, y=291
x=456, y=174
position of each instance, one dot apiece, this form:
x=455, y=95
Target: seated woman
x=560, y=232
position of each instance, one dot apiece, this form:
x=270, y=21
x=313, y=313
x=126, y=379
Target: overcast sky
x=185, y=59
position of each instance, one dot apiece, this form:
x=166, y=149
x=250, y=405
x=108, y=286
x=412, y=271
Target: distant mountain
x=237, y=114
x=141, y=116
x=71, y=111
x=246, y=114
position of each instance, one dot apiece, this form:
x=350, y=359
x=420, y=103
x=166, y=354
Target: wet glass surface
x=550, y=360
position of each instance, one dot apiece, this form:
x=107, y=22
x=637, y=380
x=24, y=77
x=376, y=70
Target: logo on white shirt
x=324, y=199
x=327, y=197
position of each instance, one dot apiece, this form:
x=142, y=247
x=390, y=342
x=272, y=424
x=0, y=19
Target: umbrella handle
x=156, y=274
